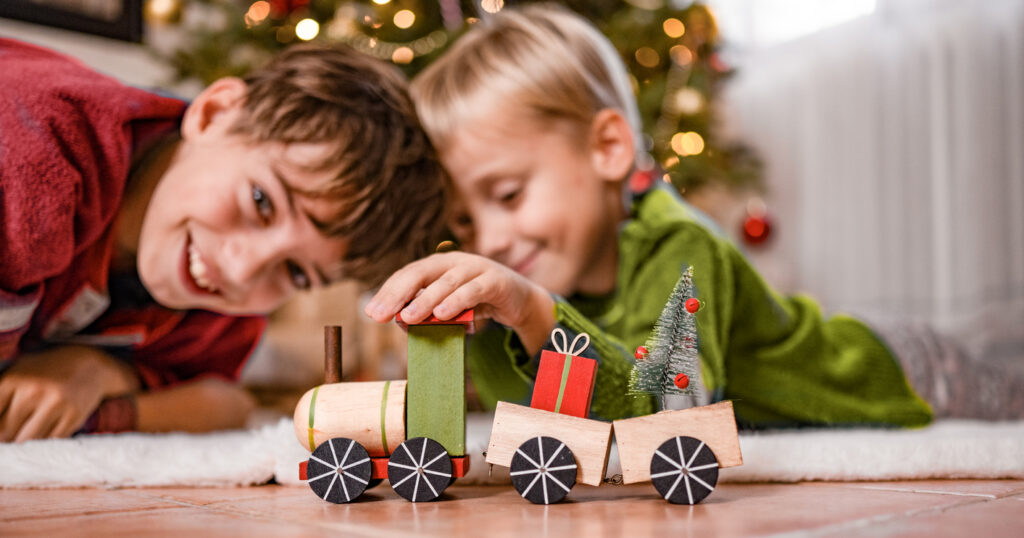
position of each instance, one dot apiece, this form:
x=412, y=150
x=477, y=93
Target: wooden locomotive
x=411, y=432
x=551, y=444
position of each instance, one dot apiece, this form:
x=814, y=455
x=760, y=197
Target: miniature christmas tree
x=667, y=363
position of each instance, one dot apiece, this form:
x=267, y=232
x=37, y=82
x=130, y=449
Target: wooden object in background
x=564, y=388
x=437, y=385
x=332, y=354
x=638, y=437
x=354, y=410
x=588, y=439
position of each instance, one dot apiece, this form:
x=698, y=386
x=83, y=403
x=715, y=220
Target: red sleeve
x=66, y=139
x=202, y=344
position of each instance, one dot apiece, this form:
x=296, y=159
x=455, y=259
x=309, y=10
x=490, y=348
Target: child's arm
x=197, y=405
x=51, y=393
x=455, y=281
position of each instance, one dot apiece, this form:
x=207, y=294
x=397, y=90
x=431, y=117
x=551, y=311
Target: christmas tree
x=672, y=49
x=667, y=363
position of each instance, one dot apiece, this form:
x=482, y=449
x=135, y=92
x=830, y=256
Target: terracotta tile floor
x=928, y=508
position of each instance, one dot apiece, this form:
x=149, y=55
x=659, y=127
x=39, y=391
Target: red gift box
x=565, y=381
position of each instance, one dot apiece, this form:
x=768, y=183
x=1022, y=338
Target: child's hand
x=52, y=393
x=446, y=284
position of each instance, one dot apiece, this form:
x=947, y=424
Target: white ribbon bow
x=560, y=345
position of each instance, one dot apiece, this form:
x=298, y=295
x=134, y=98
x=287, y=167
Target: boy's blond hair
x=541, y=59
x=388, y=188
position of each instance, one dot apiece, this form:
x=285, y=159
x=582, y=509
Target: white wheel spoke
x=431, y=462
x=356, y=478
x=333, y=453
x=353, y=464
x=668, y=459
x=689, y=492
x=402, y=481
x=532, y=482
x=540, y=454
x=664, y=474
x=555, y=455
x=702, y=467
x=344, y=488
x=322, y=462
x=528, y=458
x=438, y=473
x=673, y=488
x=329, y=486
x=694, y=456
x=406, y=447
x=431, y=486
x=562, y=468
x=402, y=466
x=347, y=452
x=703, y=483
x=559, y=482
x=416, y=488
x=544, y=484
x=315, y=478
x=423, y=453
x=527, y=471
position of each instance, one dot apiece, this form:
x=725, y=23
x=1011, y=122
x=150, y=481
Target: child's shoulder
x=661, y=218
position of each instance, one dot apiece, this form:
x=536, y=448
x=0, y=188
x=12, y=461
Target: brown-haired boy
x=141, y=238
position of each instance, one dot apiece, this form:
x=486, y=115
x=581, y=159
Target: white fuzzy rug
x=949, y=449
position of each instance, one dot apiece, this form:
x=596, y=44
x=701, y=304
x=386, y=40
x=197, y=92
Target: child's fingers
x=472, y=294
x=423, y=305
x=13, y=417
x=67, y=425
x=38, y=425
x=402, y=286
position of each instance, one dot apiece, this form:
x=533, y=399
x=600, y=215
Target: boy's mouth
x=526, y=263
x=196, y=271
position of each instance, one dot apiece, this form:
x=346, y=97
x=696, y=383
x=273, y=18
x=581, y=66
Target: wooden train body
x=413, y=432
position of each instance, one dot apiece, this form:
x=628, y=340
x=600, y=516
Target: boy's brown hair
x=388, y=184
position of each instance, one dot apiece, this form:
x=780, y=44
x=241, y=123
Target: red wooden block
x=465, y=318
x=380, y=467
x=302, y=470
x=460, y=466
x=577, y=390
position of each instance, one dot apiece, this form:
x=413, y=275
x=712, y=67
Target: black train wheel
x=338, y=470
x=419, y=469
x=543, y=470
x=684, y=470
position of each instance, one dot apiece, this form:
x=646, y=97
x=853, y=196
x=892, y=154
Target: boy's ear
x=214, y=109
x=613, y=152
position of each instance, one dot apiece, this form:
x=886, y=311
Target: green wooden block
x=436, y=393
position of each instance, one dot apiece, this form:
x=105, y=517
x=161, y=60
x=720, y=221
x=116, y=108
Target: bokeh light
x=647, y=57
x=689, y=143
x=307, y=29
x=404, y=19
x=673, y=28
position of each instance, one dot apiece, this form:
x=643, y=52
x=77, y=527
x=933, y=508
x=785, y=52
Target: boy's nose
x=247, y=258
x=493, y=241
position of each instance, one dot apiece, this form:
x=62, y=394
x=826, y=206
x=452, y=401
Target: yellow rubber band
x=312, y=406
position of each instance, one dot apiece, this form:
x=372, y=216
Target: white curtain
x=894, y=147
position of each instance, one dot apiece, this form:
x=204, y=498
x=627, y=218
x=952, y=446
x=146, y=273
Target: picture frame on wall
x=117, y=19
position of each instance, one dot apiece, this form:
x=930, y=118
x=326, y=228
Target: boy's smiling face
x=222, y=230
x=544, y=202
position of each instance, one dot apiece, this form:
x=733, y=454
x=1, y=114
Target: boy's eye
x=264, y=207
x=508, y=196
x=298, y=276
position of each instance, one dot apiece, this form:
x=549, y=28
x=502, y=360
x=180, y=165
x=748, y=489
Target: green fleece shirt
x=777, y=358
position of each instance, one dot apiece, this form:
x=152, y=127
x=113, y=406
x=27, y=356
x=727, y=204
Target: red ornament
x=682, y=381
x=692, y=305
x=756, y=229
x=641, y=353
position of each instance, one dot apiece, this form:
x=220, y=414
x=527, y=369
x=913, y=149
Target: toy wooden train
x=413, y=432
